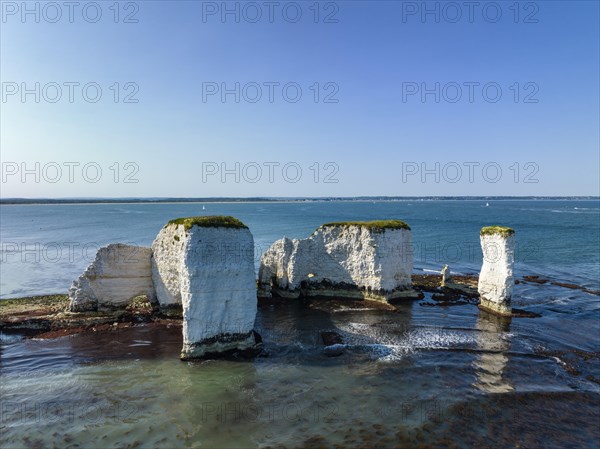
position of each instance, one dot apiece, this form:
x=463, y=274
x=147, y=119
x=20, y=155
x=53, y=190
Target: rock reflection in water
x=490, y=364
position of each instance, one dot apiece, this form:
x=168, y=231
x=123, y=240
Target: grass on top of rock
x=376, y=226
x=502, y=230
x=213, y=221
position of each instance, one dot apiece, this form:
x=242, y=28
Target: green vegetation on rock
x=502, y=230
x=376, y=226
x=215, y=221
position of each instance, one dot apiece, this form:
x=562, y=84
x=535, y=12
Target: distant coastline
x=8, y=201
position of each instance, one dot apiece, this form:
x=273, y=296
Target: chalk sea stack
x=496, y=277
x=167, y=255
x=446, y=276
x=361, y=260
x=118, y=274
x=210, y=269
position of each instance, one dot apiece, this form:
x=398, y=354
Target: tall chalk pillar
x=496, y=277
x=210, y=269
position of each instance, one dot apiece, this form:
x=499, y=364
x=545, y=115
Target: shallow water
x=405, y=377
x=418, y=376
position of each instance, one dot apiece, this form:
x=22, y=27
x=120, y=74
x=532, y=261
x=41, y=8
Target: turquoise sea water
x=430, y=376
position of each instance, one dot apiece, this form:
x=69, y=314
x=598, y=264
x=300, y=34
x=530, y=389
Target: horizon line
x=80, y=200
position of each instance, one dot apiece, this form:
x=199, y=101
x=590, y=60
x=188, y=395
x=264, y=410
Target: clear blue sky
x=375, y=138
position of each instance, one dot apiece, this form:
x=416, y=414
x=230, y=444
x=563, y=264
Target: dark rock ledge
x=48, y=316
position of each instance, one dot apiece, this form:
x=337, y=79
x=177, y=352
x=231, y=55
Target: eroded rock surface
x=118, y=274
x=167, y=257
x=367, y=260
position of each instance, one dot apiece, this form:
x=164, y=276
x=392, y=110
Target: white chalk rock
x=446, y=277
x=207, y=263
x=167, y=262
x=363, y=260
x=275, y=264
x=118, y=274
x=496, y=280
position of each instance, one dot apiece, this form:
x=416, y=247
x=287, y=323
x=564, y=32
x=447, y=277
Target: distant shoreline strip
x=33, y=201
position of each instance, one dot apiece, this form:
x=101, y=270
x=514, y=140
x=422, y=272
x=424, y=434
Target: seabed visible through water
x=416, y=376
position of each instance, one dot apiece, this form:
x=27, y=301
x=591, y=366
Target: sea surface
x=419, y=376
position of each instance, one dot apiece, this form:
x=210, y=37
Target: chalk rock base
x=328, y=290
x=220, y=345
x=170, y=310
x=503, y=309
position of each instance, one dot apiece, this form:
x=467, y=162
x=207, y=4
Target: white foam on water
x=357, y=326
x=353, y=309
x=386, y=346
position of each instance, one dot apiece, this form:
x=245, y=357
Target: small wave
x=353, y=309
x=439, y=338
x=377, y=351
x=385, y=352
x=357, y=326
x=575, y=210
x=9, y=338
x=136, y=343
x=388, y=346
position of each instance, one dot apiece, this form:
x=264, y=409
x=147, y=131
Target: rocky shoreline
x=49, y=316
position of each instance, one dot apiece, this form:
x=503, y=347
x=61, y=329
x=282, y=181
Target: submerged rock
x=207, y=263
x=496, y=277
x=118, y=274
x=364, y=260
x=331, y=338
x=334, y=344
